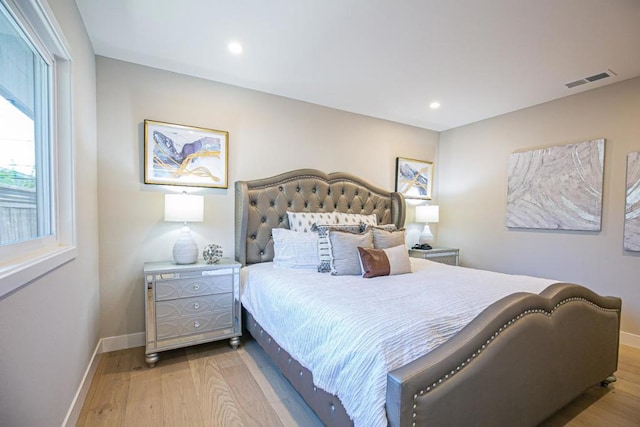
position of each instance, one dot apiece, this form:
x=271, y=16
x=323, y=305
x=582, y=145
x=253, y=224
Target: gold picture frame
x=414, y=178
x=185, y=155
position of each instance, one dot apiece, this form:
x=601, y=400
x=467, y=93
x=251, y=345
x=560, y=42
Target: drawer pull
x=196, y=305
x=196, y=324
x=196, y=287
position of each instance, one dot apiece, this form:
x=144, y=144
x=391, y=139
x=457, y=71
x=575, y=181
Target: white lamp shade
x=183, y=208
x=428, y=213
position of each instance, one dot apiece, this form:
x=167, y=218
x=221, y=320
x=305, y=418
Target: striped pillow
x=324, y=250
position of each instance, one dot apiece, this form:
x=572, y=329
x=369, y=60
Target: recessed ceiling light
x=235, y=48
x=434, y=105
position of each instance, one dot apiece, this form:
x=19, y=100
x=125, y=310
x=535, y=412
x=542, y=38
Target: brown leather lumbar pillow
x=384, y=262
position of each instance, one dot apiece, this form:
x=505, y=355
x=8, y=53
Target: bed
x=516, y=362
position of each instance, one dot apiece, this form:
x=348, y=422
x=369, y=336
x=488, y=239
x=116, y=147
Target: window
x=36, y=178
x=25, y=114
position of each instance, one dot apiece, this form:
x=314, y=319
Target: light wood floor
x=213, y=385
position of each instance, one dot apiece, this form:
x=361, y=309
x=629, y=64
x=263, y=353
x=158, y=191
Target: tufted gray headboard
x=262, y=205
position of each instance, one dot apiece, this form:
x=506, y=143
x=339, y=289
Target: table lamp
x=427, y=214
x=184, y=208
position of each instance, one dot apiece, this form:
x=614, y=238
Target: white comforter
x=349, y=331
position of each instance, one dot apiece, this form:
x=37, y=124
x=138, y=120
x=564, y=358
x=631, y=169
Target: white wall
x=267, y=135
x=49, y=329
x=472, y=192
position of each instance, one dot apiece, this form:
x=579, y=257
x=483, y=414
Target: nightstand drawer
x=171, y=328
x=193, y=286
x=171, y=309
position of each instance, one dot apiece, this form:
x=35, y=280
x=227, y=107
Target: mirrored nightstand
x=443, y=255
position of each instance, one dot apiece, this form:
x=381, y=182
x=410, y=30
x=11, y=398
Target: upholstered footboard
x=518, y=362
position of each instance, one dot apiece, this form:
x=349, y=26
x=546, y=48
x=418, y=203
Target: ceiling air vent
x=576, y=83
x=590, y=79
x=598, y=77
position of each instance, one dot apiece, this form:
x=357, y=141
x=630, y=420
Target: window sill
x=19, y=272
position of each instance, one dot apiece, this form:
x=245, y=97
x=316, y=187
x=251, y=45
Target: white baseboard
x=104, y=345
x=122, y=342
x=78, y=400
x=630, y=339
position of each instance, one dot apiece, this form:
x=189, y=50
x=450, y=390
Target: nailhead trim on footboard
x=493, y=337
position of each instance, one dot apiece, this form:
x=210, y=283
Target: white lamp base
x=426, y=236
x=185, y=250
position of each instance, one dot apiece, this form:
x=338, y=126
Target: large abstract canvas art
x=556, y=188
x=632, y=211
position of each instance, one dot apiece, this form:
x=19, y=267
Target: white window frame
x=23, y=262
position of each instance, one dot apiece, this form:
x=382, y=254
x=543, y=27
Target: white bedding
x=349, y=331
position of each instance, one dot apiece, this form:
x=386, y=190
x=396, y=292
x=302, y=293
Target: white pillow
x=303, y=221
x=293, y=249
x=353, y=219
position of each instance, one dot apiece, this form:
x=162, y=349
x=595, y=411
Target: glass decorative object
x=212, y=253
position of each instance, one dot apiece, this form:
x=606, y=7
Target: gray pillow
x=344, y=251
x=324, y=252
x=384, y=238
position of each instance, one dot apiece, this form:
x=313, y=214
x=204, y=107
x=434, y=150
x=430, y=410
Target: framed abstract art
x=414, y=178
x=185, y=155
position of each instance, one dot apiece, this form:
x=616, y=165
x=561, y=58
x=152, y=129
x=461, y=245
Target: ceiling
x=382, y=58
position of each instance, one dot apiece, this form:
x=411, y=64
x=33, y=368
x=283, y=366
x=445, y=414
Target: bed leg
x=610, y=379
